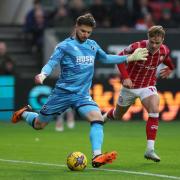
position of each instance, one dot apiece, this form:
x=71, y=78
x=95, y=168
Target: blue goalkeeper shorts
x=61, y=100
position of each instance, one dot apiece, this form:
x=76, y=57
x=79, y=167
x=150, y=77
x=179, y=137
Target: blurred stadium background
x=32, y=28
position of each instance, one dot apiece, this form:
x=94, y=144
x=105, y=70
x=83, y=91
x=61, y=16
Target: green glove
x=140, y=54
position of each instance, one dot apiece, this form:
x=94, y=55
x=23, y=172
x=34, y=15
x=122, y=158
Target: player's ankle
x=96, y=153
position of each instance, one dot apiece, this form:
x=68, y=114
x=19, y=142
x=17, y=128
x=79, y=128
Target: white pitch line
x=99, y=169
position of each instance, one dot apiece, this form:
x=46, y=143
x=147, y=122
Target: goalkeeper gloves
x=40, y=78
x=138, y=54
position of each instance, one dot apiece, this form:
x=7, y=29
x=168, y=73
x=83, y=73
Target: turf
x=21, y=143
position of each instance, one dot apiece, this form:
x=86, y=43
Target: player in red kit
x=139, y=80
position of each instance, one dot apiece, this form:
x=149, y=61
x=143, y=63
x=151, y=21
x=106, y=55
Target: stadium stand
x=20, y=50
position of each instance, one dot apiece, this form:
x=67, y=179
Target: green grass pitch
x=26, y=154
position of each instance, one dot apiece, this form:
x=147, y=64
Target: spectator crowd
x=121, y=14
x=110, y=14
x=7, y=65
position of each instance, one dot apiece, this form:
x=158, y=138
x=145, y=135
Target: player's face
x=154, y=43
x=83, y=32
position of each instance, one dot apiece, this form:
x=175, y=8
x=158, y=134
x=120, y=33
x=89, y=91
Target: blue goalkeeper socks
x=29, y=117
x=96, y=137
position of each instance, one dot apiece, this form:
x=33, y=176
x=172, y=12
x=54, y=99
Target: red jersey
x=143, y=73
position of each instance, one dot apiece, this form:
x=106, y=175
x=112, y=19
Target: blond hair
x=156, y=31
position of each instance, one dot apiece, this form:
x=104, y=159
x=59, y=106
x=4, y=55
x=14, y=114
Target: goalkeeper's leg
x=93, y=114
x=30, y=117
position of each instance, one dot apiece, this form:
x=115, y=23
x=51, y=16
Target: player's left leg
x=17, y=115
x=115, y=113
x=57, y=103
x=93, y=115
x=151, y=104
x=30, y=117
x=125, y=100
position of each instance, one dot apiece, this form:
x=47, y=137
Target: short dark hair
x=86, y=19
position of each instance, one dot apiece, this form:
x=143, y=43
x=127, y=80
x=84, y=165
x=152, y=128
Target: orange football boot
x=105, y=158
x=17, y=114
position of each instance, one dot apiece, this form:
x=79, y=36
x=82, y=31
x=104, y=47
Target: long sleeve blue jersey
x=76, y=61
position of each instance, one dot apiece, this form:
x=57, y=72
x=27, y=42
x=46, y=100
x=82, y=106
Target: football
x=76, y=161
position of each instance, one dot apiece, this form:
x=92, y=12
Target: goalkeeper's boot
x=17, y=114
x=105, y=158
x=150, y=154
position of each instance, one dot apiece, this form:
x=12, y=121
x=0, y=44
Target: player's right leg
x=104, y=158
x=151, y=155
x=93, y=115
x=150, y=100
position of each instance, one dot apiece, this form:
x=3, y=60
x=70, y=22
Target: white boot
x=150, y=154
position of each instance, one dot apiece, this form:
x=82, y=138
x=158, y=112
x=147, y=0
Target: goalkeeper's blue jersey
x=76, y=60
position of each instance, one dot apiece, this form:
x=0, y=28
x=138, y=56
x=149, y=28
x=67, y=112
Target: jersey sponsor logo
x=146, y=67
x=150, y=67
x=85, y=59
x=155, y=127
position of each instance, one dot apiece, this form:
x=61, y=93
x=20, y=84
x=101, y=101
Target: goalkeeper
x=76, y=56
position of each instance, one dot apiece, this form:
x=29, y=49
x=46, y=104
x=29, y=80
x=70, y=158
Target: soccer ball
x=76, y=161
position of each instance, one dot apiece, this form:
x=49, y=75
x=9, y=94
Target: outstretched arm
x=137, y=55
x=48, y=68
x=126, y=81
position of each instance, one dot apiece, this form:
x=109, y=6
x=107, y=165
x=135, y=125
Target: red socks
x=151, y=128
x=110, y=114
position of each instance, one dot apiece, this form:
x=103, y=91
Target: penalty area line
x=99, y=169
